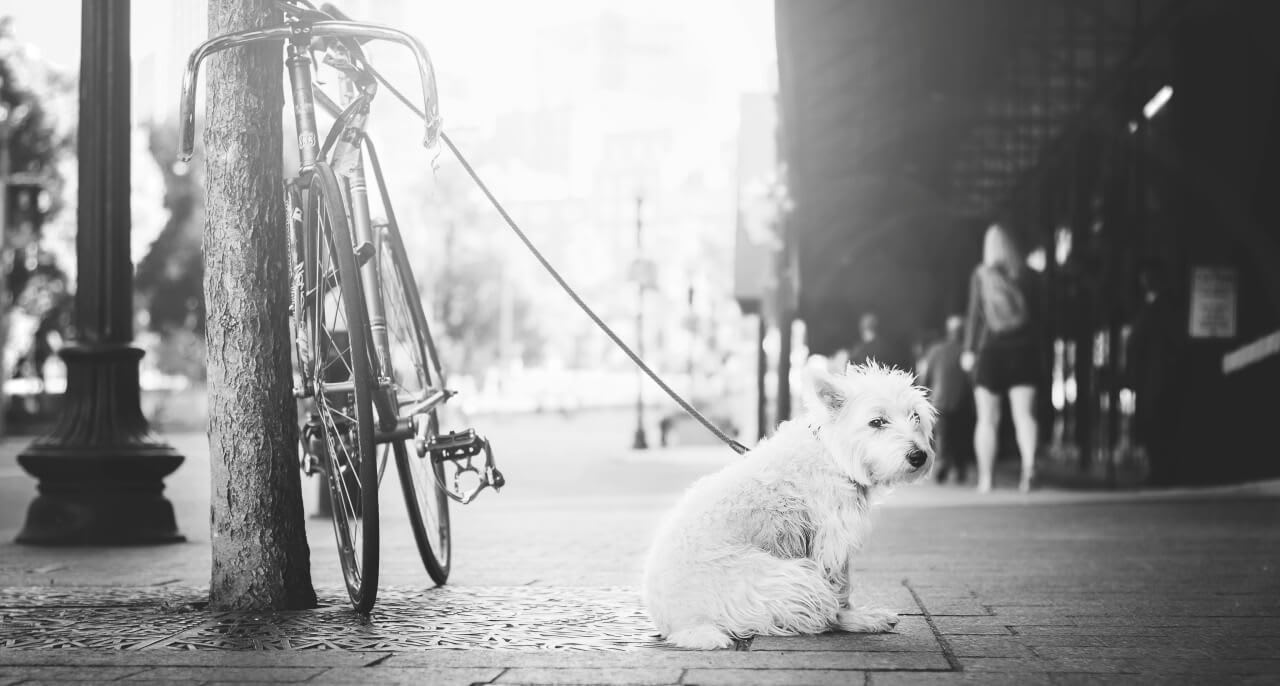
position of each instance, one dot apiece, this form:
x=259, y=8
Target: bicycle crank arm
x=402, y=432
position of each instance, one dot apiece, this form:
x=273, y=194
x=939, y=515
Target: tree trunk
x=260, y=554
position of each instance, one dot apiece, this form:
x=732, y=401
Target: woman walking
x=1002, y=351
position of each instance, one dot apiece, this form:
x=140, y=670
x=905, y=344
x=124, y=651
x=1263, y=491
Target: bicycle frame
x=355, y=187
x=297, y=34
x=398, y=419
x=353, y=115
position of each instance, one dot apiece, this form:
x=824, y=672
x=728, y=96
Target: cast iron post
x=101, y=468
x=640, y=442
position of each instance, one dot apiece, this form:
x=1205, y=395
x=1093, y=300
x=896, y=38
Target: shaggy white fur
x=765, y=545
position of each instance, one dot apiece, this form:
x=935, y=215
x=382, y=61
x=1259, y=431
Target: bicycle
x=367, y=371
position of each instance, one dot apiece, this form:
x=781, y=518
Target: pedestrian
x=872, y=346
x=951, y=392
x=1002, y=349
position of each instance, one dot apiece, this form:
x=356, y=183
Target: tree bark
x=260, y=554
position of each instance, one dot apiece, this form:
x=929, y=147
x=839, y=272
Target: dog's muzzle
x=916, y=457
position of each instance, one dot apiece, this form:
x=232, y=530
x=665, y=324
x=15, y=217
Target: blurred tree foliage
x=39, y=106
x=480, y=313
x=169, y=279
x=37, y=111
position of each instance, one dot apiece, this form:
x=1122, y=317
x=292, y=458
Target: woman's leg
x=1022, y=405
x=985, y=434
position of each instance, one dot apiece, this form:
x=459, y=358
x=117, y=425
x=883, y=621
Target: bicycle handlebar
x=340, y=29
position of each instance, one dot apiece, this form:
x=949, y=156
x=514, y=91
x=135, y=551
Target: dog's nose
x=916, y=457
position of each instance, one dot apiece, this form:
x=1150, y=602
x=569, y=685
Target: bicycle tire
x=410, y=371
x=346, y=416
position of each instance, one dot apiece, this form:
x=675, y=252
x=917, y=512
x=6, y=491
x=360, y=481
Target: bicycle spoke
x=330, y=433
x=353, y=533
x=345, y=416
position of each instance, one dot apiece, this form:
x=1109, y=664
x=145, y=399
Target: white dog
x=765, y=545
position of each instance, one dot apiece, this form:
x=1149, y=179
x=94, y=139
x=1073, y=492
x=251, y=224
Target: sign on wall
x=1213, y=302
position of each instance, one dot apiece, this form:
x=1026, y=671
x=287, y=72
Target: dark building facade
x=1130, y=144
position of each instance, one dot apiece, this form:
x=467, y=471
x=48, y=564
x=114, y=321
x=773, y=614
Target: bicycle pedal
x=456, y=445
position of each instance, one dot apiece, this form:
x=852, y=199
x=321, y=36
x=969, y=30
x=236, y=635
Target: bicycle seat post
x=298, y=62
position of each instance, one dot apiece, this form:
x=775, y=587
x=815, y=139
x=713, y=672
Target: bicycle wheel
x=411, y=368
x=335, y=362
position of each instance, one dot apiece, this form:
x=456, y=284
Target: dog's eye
x=915, y=418
x=877, y=423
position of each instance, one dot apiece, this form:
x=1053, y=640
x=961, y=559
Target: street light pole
x=101, y=469
x=640, y=442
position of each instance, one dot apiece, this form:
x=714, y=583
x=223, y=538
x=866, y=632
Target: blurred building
x=1120, y=138
x=625, y=110
x=572, y=112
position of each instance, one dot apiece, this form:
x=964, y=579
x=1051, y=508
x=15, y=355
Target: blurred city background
x=598, y=124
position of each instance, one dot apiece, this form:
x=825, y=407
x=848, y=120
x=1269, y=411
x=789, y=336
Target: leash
x=497, y=205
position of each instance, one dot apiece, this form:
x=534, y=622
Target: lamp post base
x=82, y=511
x=640, y=442
x=101, y=470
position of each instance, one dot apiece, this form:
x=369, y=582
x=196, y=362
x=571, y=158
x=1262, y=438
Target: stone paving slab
x=974, y=625
x=1156, y=679
x=988, y=646
x=420, y=676
x=632, y=676
x=911, y=635
x=958, y=679
x=957, y=606
x=773, y=659
x=238, y=674
x=773, y=677
x=68, y=673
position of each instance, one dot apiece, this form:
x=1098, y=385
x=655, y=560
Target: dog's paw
x=866, y=620
x=704, y=637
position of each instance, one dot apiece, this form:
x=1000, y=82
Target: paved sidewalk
x=1054, y=588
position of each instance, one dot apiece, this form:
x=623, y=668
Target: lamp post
x=642, y=272
x=101, y=468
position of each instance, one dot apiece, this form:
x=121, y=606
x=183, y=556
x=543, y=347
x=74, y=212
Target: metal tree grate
x=506, y=618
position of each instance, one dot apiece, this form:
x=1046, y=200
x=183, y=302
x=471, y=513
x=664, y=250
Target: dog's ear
x=826, y=390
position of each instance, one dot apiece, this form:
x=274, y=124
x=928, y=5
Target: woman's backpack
x=1004, y=305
